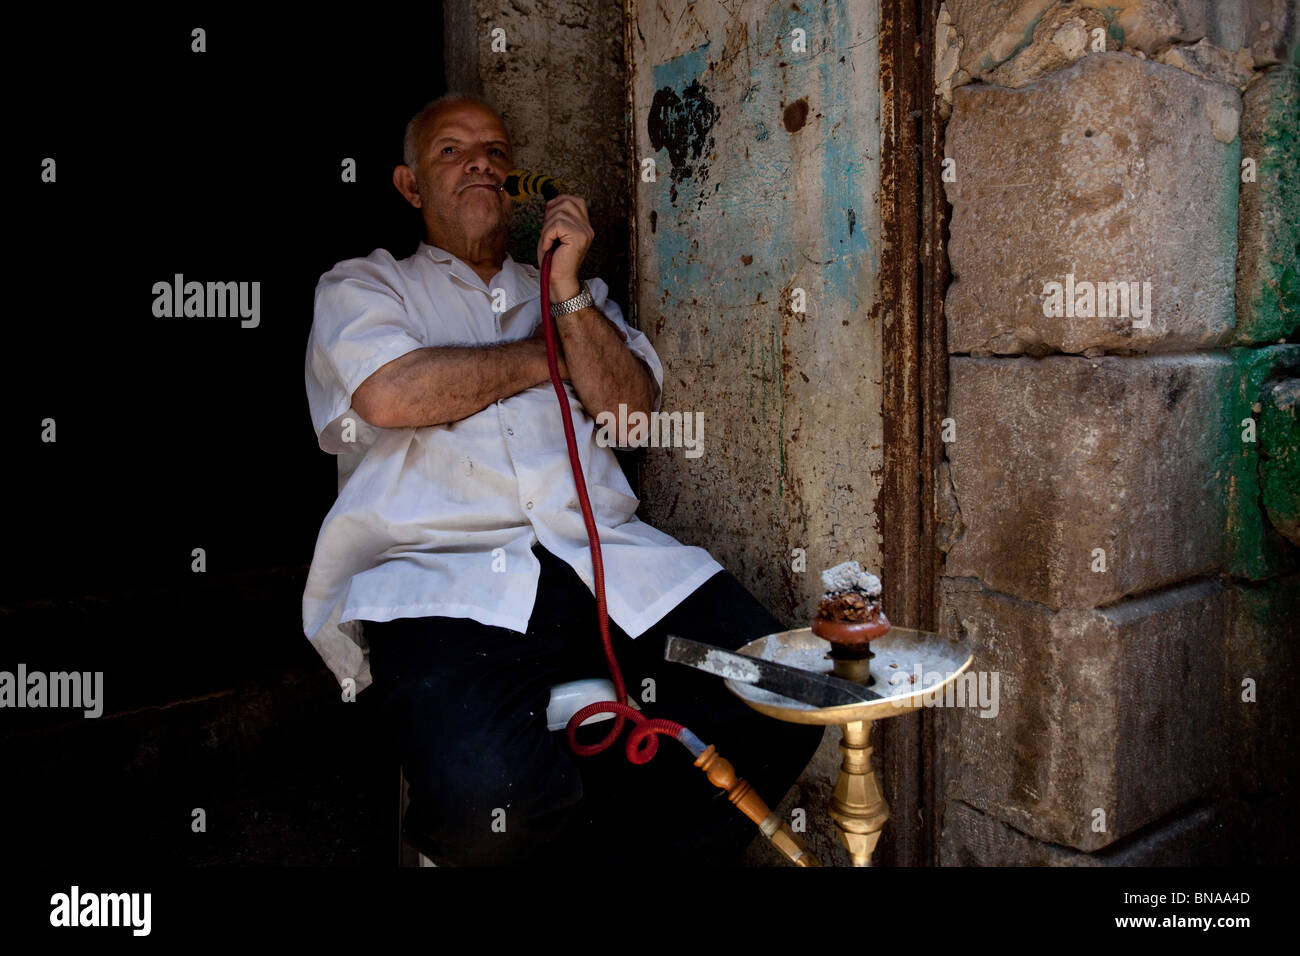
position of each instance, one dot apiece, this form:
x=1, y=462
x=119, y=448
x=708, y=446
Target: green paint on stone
x=1273, y=607
x=1279, y=445
x=1255, y=549
x=1268, y=294
x=987, y=63
x=1028, y=36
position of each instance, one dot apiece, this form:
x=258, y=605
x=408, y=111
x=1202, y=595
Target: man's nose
x=480, y=159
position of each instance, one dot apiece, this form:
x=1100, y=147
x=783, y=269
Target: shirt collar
x=520, y=281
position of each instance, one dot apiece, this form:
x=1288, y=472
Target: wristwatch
x=582, y=300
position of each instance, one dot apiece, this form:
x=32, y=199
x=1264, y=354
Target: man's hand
x=605, y=373
x=566, y=221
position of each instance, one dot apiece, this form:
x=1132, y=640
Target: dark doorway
x=173, y=434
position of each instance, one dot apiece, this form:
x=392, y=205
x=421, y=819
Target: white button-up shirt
x=441, y=520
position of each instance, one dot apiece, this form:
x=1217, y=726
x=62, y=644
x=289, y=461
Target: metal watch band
x=582, y=300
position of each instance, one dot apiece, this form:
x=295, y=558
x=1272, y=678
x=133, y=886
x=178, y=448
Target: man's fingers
x=565, y=225
x=564, y=198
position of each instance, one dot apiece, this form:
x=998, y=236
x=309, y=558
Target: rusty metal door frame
x=914, y=275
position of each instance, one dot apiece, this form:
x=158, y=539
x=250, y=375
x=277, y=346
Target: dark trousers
x=489, y=785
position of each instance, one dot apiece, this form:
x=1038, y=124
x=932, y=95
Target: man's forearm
x=434, y=386
x=604, y=372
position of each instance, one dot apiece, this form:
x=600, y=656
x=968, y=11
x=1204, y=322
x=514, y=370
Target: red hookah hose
x=643, y=741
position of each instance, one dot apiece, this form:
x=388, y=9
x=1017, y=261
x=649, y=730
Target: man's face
x=464, y=146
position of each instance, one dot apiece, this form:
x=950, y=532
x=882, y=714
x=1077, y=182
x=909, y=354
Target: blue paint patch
x=702, y=241
x=748, y=212
x=843, y=175
x=680, y=70
x=676, y=244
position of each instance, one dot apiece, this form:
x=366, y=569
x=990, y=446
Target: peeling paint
x=682, y=125
x=791, y=202
x=843, y=176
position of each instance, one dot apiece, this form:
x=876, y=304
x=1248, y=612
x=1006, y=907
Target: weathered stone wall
x=1121, y=528
x=559, y=86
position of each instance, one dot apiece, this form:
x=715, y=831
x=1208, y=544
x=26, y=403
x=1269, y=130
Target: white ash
x=849, y=576
x=730, y=668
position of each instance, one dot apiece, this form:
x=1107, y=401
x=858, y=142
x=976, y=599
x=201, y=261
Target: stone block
x=1062, y=35
x=1056, y=458
x=1106, y=719
x=1262, y=685
x=1149, y=25
x=1211, y=62
x=995, y=33
x=1203, y=836
x=1095, y=210
x=992, y=35
x=1268, y=224
x=1261, y=26
x=1272, y=29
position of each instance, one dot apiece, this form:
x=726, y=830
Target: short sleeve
x=359, y=324
x=636, y=341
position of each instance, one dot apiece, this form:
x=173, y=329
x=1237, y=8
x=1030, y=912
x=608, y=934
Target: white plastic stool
x=566, y=700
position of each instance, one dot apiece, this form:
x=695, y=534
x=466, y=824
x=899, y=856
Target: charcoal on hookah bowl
x=850, y=618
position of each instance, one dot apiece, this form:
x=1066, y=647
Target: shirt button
x=529, y=506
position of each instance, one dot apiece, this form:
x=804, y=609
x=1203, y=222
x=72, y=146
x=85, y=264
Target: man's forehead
x=462, y=122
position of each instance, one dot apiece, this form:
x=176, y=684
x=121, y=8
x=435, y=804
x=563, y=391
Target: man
x=453, y=570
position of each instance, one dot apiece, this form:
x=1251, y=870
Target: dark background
x=175, y=434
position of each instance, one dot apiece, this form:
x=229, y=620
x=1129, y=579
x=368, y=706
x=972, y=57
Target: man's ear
x=404, y=180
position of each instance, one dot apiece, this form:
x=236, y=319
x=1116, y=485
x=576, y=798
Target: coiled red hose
x=643, y=741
